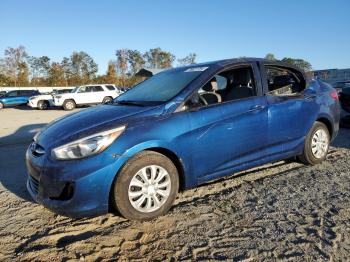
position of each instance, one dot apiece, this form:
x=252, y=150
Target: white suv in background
x=45, y=101
x=86, y=95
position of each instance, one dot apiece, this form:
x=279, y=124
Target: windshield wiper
x=132, y=103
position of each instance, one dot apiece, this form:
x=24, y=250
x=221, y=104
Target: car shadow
x=12, y=159
x=343, y=139
x=51, y=108
x=28, y=108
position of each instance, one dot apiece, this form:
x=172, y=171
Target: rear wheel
x=43, y=105
x=107, y=100
x=146, y=186
x=316, y=145
x=69, y=105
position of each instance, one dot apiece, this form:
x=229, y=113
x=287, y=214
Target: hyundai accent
x=176, y=130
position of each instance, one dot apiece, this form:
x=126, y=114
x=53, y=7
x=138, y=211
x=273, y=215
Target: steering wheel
x=202, y=98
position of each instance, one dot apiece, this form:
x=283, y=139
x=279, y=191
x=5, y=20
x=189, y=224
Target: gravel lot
x=281, y=211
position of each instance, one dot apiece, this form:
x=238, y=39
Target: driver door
x=230, y=135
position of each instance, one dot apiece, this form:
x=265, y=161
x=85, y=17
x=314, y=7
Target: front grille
x=34, y=184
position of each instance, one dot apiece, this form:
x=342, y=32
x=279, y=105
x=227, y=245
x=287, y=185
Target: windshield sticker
x=197, y=69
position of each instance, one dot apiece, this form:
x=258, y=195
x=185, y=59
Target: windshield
x=160, y=88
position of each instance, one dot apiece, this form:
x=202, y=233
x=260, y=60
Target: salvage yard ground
x=282, y=211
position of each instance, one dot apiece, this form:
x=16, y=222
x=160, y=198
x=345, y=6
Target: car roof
x=233, y=61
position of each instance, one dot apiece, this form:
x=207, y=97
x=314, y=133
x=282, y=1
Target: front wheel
x=146, y=186
x=1, y=105
x=69, y=105
x=316, y=145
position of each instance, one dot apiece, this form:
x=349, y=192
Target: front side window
x=283, y=82
x=230, y=85
x=86, y=89
x=12, y=94
x=161, y=87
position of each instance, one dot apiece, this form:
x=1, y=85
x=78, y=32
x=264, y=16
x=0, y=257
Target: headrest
x=241, y=77
x=210, y=86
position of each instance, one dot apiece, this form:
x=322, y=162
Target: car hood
x=90, y=121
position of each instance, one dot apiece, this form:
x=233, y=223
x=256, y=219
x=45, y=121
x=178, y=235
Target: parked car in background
x=2, y=93
x=16, y=97
x=344, y=96
x=178, y=129
x=45, y=101
x=86, y=95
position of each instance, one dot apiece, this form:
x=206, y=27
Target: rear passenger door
x=24, y=96
x=98, y=94
x=291, y=113
x=85, y=95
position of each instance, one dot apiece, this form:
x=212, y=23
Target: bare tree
x=14, y=59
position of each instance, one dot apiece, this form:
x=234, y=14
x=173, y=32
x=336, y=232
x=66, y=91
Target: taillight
x=334, y=95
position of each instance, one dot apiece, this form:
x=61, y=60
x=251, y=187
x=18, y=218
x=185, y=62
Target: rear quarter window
x=110, y=87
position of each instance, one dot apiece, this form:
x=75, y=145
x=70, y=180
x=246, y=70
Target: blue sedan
x=178, y=129
x=16, y=97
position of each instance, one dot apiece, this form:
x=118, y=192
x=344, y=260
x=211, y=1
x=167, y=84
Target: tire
x=43, y=105
x=125, y=203
x=1, y=105
x=69, y=105
x=107, y=100
x=316, y=152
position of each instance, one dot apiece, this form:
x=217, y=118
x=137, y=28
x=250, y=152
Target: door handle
x=310, y=97
x=256, y=108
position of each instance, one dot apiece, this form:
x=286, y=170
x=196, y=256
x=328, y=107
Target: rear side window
x=110, y=87
x=87, y=89
x=98, y=89
x=27, y=92
x=283, y=82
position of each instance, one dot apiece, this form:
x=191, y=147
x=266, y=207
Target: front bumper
x=91, y=188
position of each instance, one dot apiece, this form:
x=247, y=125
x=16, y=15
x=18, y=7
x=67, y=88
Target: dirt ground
x=281, y=211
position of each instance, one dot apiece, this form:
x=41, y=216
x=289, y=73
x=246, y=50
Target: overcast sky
x=318, y=31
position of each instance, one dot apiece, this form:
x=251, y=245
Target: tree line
x=18, y=68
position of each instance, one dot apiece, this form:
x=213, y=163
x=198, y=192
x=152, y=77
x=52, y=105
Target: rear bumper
x=32, y=103
x=58, y=102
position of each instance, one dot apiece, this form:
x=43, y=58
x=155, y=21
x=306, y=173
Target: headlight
x=87, y=146
x=33, y=97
